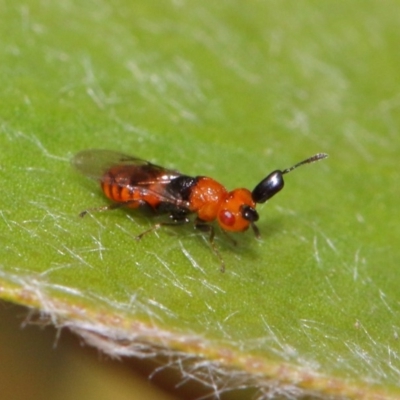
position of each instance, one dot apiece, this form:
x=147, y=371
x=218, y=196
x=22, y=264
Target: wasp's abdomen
x=124, y=184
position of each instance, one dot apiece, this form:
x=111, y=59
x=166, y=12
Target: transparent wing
x=94, y=163
x=142, y=175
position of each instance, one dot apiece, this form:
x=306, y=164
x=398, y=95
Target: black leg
x=205, y=227
x=230, y=238
x=256, y=230
x=112, y=206
x=175, y=222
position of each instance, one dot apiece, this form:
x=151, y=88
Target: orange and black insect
x=131, y=182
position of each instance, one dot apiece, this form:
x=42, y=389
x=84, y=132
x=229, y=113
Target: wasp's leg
x=176, y=220
x=114, y=206
x=208, y=228
x=229, y=237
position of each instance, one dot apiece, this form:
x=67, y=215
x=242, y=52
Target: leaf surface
x=232, y=91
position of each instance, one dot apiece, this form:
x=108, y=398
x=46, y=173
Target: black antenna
x=314, y=158
x=274, y=183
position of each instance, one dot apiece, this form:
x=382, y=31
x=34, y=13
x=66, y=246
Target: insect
x=132, y=182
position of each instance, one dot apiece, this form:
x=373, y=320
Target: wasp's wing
x=146, y=177
x=94, y=163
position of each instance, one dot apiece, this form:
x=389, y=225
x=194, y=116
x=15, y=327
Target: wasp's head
x=238, y=211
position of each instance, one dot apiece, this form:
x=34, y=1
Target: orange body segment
x=116, y=185
x=230, y=215
x=206, y=198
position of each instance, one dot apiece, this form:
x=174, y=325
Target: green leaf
x=232, y=91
